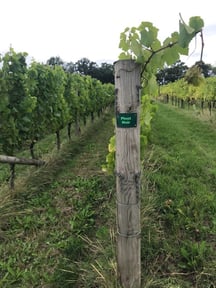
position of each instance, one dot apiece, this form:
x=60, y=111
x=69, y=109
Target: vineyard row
x=204, y=91
x=38, y=99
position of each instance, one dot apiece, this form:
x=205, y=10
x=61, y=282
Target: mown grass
x=57, y=227
x=179, y=243
x=56, y=224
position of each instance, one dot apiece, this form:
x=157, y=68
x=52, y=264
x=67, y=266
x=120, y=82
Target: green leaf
x=167, y=41
x=196, y=23
x=184, y=36
x=123, y=44
x=170, y=55
x=112, y=144
x=148, y=34
x=175, y=36
x=136, y=48
x=124, y=56
x=147, y=118
x=126, y=29
x=182, y=51
x=189, y=29
x=152, y=85
x=156, y=45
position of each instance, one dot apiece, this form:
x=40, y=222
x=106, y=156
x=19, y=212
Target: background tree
x=106, y=73
x=171, y=73
x=213, y=70
x=53, y=61
x=84, y=66
x=69, y=67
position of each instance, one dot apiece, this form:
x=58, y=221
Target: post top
x=124, y=60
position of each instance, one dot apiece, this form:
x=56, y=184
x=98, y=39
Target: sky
x=74, y=29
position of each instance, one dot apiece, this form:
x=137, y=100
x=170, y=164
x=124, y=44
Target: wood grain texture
x=23, y=161
x=127, y=85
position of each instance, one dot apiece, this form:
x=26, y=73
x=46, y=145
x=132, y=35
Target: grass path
x=188, y=142
x=180, y=176
x=41, y=244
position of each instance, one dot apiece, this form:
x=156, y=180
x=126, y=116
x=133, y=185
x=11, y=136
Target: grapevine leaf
x=156, y=45
x=123, y=44
x=184, y=36
x=133, y=30
x=140, y=59
x=152, y=85
x=196, y=23
x=136, y=48
x=182, y=51
x=147, y=38
x=155, y=63
x=147, y=118
x=170, y=55
x=146, y=54
x=111, y=146
x=189, y=29
x=167, y=41
x=124, y=55
x=148, y=34
x=175, y=36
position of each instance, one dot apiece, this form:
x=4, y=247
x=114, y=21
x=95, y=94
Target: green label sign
x=126, y=120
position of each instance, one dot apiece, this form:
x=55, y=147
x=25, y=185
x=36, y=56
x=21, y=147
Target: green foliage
x=42, y=99
x=193, y=76
x=83, y=221
x=196, y=23
x=179, y=230
x=40, y=247
x=148, y=110
x=188, y=32
x=193, y=255
x=199, y=88
x=17, y=104
x=142, y=45
x=110, y=158
x=177, y=211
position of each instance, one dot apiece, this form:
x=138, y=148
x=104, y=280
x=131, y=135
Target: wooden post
x=23, y=161
x=127, y=88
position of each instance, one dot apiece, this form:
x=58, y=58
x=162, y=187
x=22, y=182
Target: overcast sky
x=73, y=29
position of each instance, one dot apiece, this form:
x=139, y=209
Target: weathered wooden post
x=127, y=87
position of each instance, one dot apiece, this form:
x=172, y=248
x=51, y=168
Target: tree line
x=178, y=70
x=103, y=72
